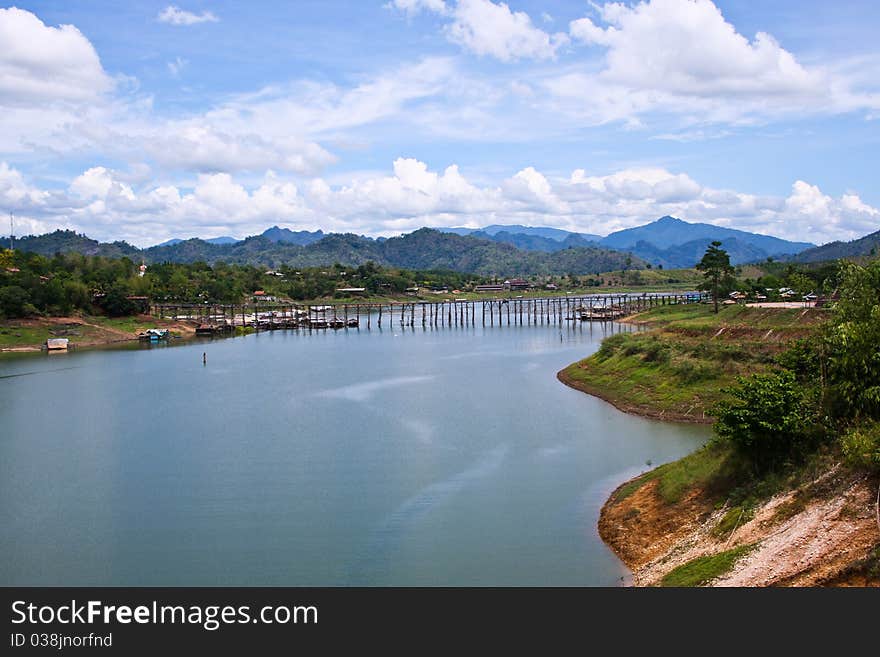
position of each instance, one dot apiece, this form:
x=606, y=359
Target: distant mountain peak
x=676, y=243
x=287, y=236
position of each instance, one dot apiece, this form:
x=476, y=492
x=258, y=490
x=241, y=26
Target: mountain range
x=422, y=249
x=498, y=249
x=863, y=246
x=556, y=234
x=668, y=241
x=209, y=240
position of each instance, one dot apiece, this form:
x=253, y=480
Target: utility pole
x=11, y=233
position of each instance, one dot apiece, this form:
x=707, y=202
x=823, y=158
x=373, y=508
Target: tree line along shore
x=100, y=299
x=786, y=491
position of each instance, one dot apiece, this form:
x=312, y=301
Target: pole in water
x=204, y=358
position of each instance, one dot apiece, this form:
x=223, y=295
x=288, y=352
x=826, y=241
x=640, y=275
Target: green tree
x=717, y=270
x=801, y=284
x=766, y=418
x=116, y=302
x=850, y=343
x=14, y=301
x=7, y=258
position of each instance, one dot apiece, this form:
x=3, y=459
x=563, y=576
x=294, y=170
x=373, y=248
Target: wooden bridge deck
x=489, y=312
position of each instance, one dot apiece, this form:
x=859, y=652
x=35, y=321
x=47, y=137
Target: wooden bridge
x=500, y=311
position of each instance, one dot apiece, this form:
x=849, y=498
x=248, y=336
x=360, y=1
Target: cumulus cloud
x=709, y=56
x=99, y=183
x=490, y=29
x=176, y=16
x=101, y=203
x=683, y=57
x=15, y=193
x=486, y=28
x=818, y=213
x=43, y=64
x=678, y=58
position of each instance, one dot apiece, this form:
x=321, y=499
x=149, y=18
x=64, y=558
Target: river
x=394, y=456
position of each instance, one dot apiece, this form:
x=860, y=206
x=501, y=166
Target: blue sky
x=148, y=120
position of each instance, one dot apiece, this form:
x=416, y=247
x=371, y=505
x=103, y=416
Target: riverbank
x=698, y=522
x=23, y=335
x=706, y=519
x=677, y=371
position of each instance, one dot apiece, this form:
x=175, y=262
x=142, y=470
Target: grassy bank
x=81, y=330
x=677, y=370
x=714, y=517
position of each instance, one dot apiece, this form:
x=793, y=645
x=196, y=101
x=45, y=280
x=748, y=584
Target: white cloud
x=200, y=146
x=649, y=62
x=99, y=183
x=102, y=204
x=490, y=29
x=687, y=47
x=413, y=7
x=176, y=66
x=43, y=64
x=15, y=193
x=176, y=16
x=486, y=28
x=682, y=57
x=819, y=214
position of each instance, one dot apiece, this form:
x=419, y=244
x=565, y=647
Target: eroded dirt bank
x=822, y=533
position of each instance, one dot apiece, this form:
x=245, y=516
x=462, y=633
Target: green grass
x=734, y=517
x=680, y=376
x=133, y=324
x=710, y=467
x=704, y=569
x=678, y=370
x=15, y=336
x=701, y=317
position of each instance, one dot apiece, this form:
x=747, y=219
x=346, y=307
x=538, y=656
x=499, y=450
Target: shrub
x=767, y=418
x=610, y=346
x=861, y=446
x=689, y=371
x=656, y=352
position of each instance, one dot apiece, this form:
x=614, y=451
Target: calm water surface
x=396, y=457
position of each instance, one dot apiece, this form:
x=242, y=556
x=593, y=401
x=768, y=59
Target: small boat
x=56, y=344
